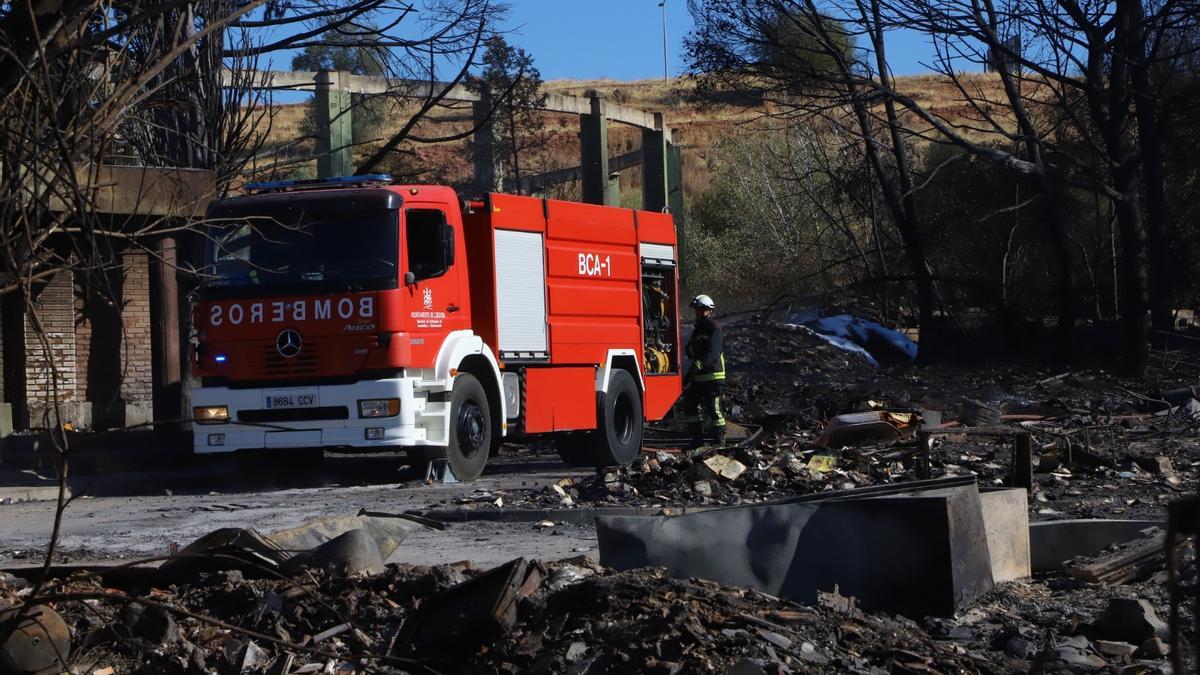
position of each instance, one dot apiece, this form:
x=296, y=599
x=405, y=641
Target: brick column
x=6, y=407
x=137, y=385
x=55, y=306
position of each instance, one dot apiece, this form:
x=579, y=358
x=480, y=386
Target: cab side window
x=429, y=243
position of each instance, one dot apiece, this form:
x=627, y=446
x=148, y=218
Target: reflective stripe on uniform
x=718, y=419
x=718, y=374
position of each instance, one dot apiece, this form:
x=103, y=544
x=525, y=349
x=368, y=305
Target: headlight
x=379, y=407
x=211, y=414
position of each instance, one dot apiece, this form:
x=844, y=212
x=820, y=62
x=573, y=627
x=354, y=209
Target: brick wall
x=2, y=390
x=100, y=339
x=83, y=331
x=55, y=305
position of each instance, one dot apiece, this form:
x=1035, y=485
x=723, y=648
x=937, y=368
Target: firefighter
x=706, y=378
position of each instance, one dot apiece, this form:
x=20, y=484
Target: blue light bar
x=219, y=358
x=312, y=183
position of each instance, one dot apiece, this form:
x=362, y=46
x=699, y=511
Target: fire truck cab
x=358, y=314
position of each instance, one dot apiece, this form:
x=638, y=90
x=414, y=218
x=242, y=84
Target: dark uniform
x=705, y=380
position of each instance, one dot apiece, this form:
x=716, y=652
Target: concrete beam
x=616, y=112
x=366, y=84
x=593, y=152
x=306, y=80
x=534, y=183
x=144, y=191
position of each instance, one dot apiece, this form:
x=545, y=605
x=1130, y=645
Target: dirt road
x=139, y=514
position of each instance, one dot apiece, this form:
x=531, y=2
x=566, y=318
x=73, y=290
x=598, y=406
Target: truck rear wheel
x=470, y=428
x=617, y=439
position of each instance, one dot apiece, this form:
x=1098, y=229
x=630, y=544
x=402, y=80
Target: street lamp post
x=663, y=4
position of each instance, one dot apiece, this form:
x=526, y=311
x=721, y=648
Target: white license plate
x=291, y=398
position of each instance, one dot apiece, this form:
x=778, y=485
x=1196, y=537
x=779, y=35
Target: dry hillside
x=701, y=126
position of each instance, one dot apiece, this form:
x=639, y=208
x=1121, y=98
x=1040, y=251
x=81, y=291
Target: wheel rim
x=623, y=418
x=471, y=428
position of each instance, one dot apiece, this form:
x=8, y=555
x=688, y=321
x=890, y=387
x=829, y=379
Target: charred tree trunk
x=1064, y=272
x=1158, y=233
x=905, y=208
x=1110, y=109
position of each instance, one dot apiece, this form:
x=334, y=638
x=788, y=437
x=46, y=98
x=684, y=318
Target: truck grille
x=303, y=364
x=329, y=412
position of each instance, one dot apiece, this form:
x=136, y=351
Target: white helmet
x=703, y=301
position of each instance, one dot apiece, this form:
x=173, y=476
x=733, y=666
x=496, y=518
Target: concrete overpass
x=660, y=154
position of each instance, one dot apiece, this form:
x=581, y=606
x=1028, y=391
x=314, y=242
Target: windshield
x=303, y=243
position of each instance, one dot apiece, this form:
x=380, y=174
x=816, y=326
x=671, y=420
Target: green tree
x=515, y=84
x=791, y=43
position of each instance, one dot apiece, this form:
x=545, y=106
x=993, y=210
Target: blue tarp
x=854, y=334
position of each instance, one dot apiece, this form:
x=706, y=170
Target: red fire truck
x=357, y=314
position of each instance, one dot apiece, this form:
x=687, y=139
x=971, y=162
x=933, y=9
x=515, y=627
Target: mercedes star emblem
x=288, y=343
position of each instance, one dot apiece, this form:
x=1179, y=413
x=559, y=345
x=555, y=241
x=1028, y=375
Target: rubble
x=1123, y=562
x=575, y=616
x=1130, y=620
x=1100, y=448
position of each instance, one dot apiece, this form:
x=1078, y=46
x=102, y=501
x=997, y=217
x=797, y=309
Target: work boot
x=718, y=436
x=696, y=431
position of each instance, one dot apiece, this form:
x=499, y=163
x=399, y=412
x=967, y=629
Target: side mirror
x=448, y=244
x=410, y=279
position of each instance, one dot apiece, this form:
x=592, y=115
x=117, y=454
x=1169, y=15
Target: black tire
x=575, y=448
x=470, y=428
x=617, y=439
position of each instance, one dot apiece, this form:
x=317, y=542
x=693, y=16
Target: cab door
x=433, y=264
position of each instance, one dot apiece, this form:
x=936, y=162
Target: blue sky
x=622, y=39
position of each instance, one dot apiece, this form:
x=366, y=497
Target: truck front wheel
x=470, y=428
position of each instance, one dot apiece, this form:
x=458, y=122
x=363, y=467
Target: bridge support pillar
x=593, y=143
x=612, y=191
x=674, y=182
x=334, y=137
x=654, y=166
x=489, y=172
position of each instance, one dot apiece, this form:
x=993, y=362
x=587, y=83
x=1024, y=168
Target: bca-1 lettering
x=281, y=311
x=592, y=265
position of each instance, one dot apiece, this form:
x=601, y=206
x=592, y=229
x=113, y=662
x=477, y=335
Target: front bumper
x=400, y=430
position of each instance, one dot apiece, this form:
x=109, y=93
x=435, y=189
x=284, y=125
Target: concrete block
x=1053, y=542
x=6, y=419
x=1006, y=522
x=76, y=413
x=917, y=555
x=27, y=486
x=139, y=413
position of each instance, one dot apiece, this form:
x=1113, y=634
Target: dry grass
x=700, y=126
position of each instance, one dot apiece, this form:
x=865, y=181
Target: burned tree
x=1087, y=68
x=802, y=59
